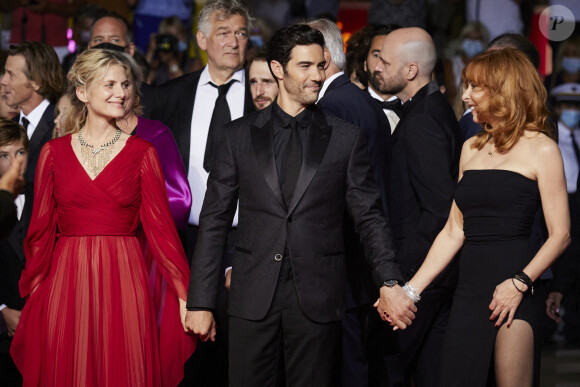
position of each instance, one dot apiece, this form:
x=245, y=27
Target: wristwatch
x=390, y=283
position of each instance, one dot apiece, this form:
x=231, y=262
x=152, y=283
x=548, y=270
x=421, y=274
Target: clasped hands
x=197, y=322
x=395, y=307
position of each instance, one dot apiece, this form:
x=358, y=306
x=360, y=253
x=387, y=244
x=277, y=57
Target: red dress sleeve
x=41, y=237
x=164, y=246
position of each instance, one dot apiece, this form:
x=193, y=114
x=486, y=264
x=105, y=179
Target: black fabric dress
x=498, y=209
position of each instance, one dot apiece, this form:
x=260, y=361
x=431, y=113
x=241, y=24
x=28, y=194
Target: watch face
x=391, y=283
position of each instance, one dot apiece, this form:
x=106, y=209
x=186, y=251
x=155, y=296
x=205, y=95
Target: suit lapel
x=263, y=143
x=315, y=149
x=186, y=100
x=43, y=129
x=16, y=236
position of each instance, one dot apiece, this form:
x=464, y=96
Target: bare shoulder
x=539, y=146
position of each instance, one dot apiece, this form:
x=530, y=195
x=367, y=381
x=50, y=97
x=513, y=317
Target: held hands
x=12, y=318
x=201, y=323
x=553, y=303
x=506, y=299
x=395, y=307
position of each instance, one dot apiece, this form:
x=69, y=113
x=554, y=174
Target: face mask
x=570, y=118
x=181, y=46
x=571, y=64
x=472, y=47
x=110, y=46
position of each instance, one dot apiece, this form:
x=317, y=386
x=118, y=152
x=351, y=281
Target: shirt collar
x=205, y=77
x=35, y=115
x=282, y=119
x=327, y=83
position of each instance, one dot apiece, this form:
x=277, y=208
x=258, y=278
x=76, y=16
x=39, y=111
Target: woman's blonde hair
x=515, y=97
x=91, y=66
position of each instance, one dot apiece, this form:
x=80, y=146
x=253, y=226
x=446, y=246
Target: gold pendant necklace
x=97, y=159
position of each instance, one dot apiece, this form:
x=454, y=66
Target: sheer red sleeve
x=41, y=237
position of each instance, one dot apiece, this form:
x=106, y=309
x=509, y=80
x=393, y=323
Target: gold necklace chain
x=97, y=159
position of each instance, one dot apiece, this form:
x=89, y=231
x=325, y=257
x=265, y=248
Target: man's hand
x=13, y=180
x=553, y=303
x=201, y=323
x=12, y=317
x=395, y=307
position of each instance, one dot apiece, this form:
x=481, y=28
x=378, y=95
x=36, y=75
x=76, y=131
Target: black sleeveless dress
x=498, y=209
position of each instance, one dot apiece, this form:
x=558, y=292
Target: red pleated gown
x=102, y=314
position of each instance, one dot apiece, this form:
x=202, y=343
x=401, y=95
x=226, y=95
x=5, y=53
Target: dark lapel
x=315, y=149
x=426, y=90
x=248, y=103
x=263, y=142
x=43, y=129
x=186, y=100
x=16, y=237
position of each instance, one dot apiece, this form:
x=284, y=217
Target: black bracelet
x=516, y=286
x=523, y=277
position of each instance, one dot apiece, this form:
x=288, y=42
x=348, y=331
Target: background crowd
x=192, y=79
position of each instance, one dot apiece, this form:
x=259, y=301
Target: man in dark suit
x=195, y=107
x=34, y=82
x=341, y=98
x=13, y=152
x=296, y=171
x=426, y=150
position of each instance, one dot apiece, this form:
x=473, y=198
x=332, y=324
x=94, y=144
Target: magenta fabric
x=176, y=182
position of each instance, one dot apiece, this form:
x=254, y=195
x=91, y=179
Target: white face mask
x=571, y=64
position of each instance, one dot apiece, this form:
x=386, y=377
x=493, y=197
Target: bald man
x=426, y=149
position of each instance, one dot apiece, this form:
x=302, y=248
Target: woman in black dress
x=505, y=172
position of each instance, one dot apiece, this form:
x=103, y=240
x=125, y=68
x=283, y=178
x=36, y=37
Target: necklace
x=97, y=159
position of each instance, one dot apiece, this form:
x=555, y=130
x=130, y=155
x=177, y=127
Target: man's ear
x=201, y=40
x=35, y=86
x=277, y=69
x=365, y=66
x=327, y=58
x=82, y=94
x=412, y=71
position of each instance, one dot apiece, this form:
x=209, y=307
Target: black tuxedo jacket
x=344, y=100
x=8, y=216
x=173, y=105
x=12, y=256
x=42, y=134
x=335, y=177
x=426, y=151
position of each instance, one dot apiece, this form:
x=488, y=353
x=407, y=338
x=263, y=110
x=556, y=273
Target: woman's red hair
x=515, y=97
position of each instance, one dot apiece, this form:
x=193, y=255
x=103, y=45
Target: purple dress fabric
x=176, y=182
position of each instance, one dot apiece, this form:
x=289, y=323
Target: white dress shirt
x=205, y=98
x=391, y=115
x=34, y=117
x=571, y=168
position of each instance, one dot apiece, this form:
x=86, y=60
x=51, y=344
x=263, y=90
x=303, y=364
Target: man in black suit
x=13, y=153
x=341, y=98
x=195, y=107
x=34, y=82
x=426, y=150
x=296, y=172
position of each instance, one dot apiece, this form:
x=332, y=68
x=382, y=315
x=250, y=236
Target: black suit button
x=290, y=220
x=278, y=257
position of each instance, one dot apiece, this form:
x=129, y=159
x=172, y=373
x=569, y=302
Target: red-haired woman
x=505, y=172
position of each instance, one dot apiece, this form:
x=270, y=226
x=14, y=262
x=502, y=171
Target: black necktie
x=293, y=162
x=394, y=105
x=25, y=123
x=220, y=116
